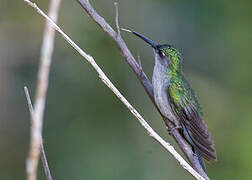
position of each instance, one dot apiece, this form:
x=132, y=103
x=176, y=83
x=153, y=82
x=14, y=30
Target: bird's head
x=166, y=53
x=167, y=50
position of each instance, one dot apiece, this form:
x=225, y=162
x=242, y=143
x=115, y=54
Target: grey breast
x=160, y=83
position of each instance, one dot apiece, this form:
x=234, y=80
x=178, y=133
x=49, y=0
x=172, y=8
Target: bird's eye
x=161, y=53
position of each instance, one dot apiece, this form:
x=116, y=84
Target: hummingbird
x=177, y=101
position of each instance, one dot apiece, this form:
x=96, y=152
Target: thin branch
x=45, y=163
x=28, y=98
x=108, y=83
x=185, y=147
x=41, y=91
x=139, y=63
x=43, y=154
x=116, y=4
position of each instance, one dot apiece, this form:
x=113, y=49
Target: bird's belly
x=160, y=88
x=162, y=101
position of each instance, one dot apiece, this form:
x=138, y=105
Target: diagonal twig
x=116, y=4
x=185, y=147
x=41, y=91
x=109, y=84
x=28, y=98
x=43, y=154
x=45, y=163
x=139, y=62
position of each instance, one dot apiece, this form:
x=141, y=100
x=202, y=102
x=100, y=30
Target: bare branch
x=28, y=98
x=117, y=18
x=45, y=163
x=185, y=147
x=43, y=154
x=41, y=91
x=108, y=83
x=139, y=63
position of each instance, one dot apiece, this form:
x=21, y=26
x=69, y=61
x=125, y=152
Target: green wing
x=187, y=108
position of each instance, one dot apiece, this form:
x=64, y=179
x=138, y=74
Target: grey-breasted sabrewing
x=177, y=101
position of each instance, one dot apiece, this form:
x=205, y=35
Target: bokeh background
x=88, y=133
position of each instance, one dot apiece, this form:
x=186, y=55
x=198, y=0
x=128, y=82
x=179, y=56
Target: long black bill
x=150, y=42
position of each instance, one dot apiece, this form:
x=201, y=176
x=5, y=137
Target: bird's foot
x=195, y=154
x=171, y=130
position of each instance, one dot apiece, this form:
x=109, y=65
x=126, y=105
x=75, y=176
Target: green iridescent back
x=179, y=89
x=181, y=92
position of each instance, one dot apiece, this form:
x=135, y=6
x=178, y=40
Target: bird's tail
x=194, y=148
x=202, y=164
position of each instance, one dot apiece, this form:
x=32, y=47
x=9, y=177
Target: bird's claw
x=171, y=130
x=195, y=154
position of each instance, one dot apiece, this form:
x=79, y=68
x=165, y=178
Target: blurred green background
x=88, y=133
